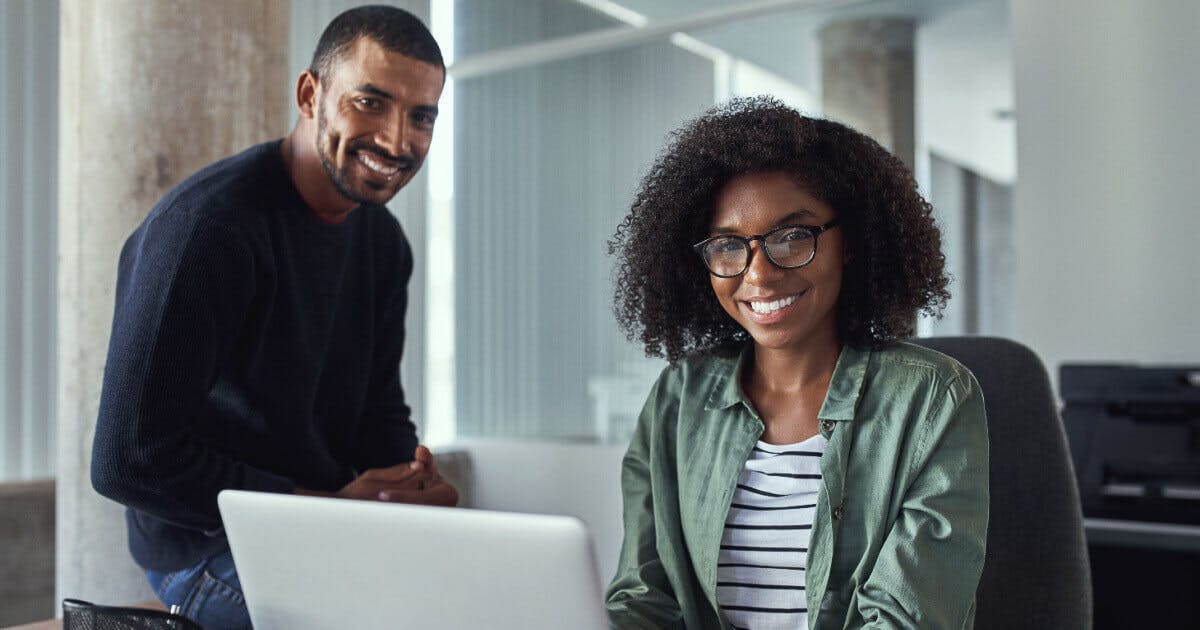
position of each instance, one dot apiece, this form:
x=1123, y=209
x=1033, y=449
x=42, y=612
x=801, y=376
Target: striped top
x=764, y=550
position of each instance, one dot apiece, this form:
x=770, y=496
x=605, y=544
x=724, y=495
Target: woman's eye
x=726, y=246
x=794, y=234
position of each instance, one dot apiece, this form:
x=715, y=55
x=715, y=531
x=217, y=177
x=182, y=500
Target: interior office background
x=1054, y=139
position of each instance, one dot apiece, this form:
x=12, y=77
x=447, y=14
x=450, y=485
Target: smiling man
x=259, y=320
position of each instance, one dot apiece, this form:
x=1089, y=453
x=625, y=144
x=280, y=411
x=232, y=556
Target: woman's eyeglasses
x=787, y=247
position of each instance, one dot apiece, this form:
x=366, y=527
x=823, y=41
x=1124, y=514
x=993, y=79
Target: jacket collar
x=840, y=401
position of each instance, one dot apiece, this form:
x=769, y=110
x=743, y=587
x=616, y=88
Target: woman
x=796, y=464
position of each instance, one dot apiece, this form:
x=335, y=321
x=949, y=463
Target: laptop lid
x=316, y=563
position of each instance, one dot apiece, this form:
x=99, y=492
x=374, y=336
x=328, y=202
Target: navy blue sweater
x=253, y=347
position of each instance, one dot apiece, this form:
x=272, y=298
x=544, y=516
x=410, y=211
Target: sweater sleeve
x=387, y=435
x=929, y=565
x=184, y=286
x=640, y=595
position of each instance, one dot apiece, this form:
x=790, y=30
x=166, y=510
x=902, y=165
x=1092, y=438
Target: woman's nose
x=761, y=269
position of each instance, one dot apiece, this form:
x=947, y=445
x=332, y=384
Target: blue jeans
x=209, y=593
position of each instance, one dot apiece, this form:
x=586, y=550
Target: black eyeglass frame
x=814, y=230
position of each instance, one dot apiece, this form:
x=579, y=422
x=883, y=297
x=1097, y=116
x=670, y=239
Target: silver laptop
x=312, y=563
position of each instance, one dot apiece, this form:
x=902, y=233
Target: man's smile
x=378, y=164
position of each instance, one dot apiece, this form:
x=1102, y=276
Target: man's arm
x=929, y=566
x=183, y=291
x=387, y=435
x=417, y=481
x=386, y=447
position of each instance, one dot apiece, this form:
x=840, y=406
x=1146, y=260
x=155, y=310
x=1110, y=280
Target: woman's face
x=783, y=309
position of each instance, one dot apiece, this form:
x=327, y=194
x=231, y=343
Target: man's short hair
x=393, y=28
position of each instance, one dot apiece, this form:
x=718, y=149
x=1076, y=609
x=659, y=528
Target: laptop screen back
x=308, y=562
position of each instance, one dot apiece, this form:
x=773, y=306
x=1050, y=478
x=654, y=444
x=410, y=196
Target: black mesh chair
x=81, y=615
x=1035, y=573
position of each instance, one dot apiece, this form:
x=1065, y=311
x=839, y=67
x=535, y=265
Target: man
x=259, y=320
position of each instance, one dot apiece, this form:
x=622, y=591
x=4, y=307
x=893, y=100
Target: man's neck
x=303, y=166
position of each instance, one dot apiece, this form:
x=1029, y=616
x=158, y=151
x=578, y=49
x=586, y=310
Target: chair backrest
x=1036, y=573
x=81, y=615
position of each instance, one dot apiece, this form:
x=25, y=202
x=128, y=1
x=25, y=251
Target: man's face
x=375, y=114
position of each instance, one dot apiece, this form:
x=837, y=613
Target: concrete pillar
x=150, y=92
x=867, y=79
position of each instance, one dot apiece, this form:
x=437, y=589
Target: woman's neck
x=793, y=371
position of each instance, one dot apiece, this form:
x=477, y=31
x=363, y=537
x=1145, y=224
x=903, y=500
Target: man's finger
x=426, y=457
x=400, y=472
x=442, y=494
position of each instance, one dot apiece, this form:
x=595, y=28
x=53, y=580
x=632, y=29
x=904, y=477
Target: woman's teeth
x=763, y=308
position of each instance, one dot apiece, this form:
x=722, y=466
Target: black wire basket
x=81, y=615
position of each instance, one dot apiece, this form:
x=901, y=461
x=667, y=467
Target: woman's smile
x=781, y=308
x=771, y=309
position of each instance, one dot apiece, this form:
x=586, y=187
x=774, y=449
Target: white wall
x=1106, y=207
x=964, y=78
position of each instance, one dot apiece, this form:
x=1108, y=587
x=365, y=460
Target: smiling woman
x=796, y=464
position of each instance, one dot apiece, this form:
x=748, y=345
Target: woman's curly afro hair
x=663, y=295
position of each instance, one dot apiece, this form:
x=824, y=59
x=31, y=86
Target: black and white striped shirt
x=764, y=551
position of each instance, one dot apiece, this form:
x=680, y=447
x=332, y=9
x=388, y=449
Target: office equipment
x=82, y=615
x=310, y=563
x=1135, y=441
x=1035, y=573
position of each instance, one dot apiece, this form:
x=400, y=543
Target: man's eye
x=367, y=102
x=424, y=119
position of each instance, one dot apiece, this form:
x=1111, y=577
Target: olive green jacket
x=901, y=520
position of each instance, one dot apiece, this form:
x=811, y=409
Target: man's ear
x=308, y=90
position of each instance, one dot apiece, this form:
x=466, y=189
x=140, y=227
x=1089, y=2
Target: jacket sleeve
x=183, y=290
x=929, y=565
x=387, y=435
x=640, y=595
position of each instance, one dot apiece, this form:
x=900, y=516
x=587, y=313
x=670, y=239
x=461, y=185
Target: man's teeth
x=377, y=166
x=763, y=308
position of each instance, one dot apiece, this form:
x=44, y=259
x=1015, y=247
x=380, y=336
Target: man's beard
x=341, y=182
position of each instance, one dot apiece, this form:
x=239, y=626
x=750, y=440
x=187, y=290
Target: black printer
x=1134, y=435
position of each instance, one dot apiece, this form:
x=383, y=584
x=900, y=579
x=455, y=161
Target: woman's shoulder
x=916, y=359
x=695, y=378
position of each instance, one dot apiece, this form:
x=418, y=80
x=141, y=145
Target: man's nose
x=394, y=137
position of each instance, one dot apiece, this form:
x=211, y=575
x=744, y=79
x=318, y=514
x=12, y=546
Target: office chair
x=1035, y=572
x=81, y=615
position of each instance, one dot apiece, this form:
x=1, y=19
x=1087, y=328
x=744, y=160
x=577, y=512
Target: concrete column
x=867, y=79
x=150, y=92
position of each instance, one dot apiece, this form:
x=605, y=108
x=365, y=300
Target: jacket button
x=839, y=512
x=828, y=425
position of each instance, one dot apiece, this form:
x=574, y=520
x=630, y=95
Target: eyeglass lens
x=788, y=247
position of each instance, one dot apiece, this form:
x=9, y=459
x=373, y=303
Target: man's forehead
x=365, y=56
